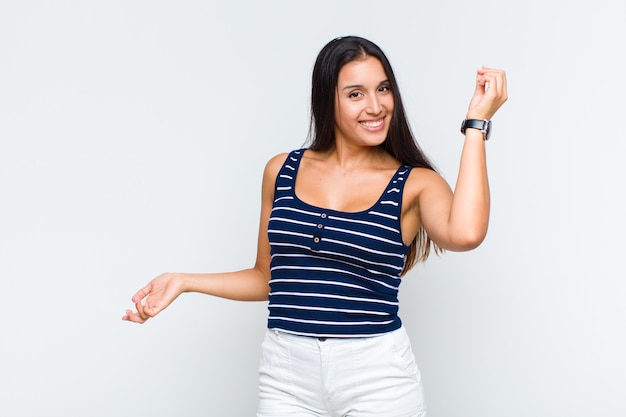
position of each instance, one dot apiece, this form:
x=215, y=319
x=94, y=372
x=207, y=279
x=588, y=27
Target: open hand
x=154, y=297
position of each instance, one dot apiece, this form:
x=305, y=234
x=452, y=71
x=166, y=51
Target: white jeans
x=359, y=377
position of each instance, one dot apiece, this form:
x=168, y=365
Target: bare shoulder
x=424, y=179
x=275, y=163
x=272, y=167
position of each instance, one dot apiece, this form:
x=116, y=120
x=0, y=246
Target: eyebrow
x=347, y=87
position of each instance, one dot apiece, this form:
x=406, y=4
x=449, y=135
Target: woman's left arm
x=458, y=221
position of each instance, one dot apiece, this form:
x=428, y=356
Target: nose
x=373, y=105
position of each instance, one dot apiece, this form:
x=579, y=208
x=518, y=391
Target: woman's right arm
x=250, y=284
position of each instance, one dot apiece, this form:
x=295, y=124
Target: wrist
x=474, y=134
x=472, y=115
x=480, y=125
x=181, y=281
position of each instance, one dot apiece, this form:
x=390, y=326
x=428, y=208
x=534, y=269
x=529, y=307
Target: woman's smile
x=373, y=125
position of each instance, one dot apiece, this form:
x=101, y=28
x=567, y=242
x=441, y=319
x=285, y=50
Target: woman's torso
x=335, y=273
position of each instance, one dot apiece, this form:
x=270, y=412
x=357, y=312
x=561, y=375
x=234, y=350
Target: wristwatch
x=482, y=125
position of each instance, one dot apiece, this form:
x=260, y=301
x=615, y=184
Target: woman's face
x=363, y=103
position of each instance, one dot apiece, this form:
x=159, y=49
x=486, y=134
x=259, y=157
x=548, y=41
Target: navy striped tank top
x=333, y=273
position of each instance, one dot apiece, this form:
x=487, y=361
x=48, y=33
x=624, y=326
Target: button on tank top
x=333, y=273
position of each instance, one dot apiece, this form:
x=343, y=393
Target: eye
x=354, y=94
x=384, y=89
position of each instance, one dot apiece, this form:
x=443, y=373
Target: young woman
x=341, y=222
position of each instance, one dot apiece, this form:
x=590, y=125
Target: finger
x=134, y=317
x=496, y=81
x=500, y=93
x=484, y=70
x=127, y=315
x=503, y=84
x=139, y=306
x=491, y=86
x=149, y=308
x=498, y=75
x=479, y=88
x=142, y=293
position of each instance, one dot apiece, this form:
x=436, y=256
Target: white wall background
x=125, y=125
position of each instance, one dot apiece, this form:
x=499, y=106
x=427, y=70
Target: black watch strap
x=482, y=125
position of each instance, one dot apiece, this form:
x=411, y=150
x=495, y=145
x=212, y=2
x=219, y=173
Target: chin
x=376, y=141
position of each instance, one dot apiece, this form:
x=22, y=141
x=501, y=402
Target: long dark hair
x=400, y=142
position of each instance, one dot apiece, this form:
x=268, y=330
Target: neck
x=353, y=158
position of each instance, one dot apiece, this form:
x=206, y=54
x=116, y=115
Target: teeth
x=373, y=124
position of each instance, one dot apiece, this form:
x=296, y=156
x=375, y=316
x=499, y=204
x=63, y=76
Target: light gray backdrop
x=133, y=136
